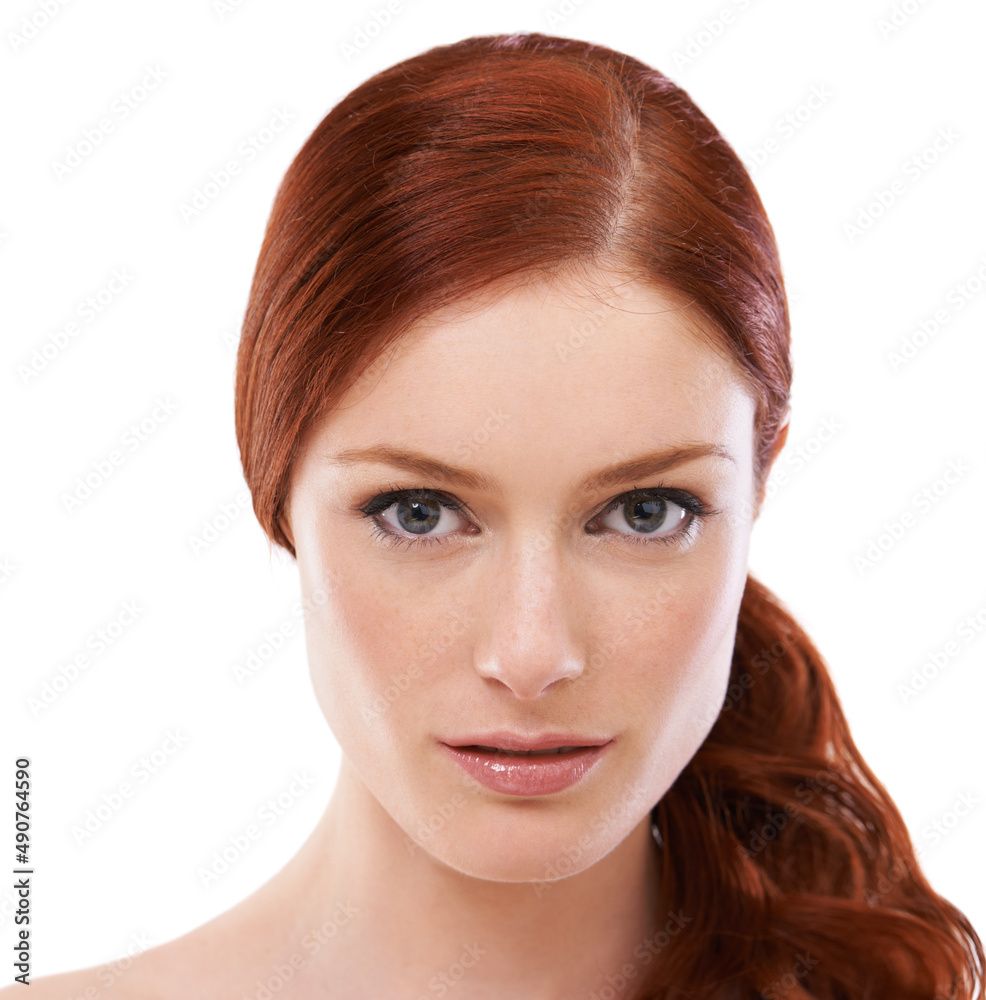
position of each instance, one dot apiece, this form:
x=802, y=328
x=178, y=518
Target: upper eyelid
x=376, y=503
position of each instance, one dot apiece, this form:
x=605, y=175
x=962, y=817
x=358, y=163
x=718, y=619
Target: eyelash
x=695, y=508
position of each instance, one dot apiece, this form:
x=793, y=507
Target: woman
x=513, y=373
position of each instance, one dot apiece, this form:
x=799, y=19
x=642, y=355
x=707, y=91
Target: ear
x=775, y=450
x=780, y=441
x=284, y=524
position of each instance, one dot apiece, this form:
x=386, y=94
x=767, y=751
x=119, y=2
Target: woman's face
x=553, y=578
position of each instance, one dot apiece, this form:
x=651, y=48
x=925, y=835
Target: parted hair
x=785, y=862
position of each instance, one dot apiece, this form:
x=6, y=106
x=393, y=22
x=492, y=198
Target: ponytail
x=787, y=857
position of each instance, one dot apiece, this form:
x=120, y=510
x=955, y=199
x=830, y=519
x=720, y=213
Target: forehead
x=572, y=361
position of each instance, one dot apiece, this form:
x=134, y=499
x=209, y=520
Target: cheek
x=375, y=650
x=682, y=664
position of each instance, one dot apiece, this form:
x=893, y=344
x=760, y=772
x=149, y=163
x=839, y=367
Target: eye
x=411, y=516
x=662, y=514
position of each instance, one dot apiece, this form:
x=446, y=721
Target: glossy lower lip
x=520, y=775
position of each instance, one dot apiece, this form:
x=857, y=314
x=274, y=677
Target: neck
x=364, y=904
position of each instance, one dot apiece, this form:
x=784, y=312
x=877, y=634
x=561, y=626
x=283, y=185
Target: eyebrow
x=613, y=475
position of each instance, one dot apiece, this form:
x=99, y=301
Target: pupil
x=423, y=518
x=651, y=512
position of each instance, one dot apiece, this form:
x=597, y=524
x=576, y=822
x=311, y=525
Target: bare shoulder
x=154, y=974
x=82, y=984
x=87, y=984
x=220, y=958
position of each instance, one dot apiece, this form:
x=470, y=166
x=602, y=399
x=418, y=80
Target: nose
x=529, y=638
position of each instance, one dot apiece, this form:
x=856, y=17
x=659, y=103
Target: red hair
x=512, y=158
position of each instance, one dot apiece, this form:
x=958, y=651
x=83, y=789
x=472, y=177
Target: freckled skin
x=521, y=619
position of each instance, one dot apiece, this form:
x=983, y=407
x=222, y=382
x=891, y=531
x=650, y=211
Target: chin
x=498, y=842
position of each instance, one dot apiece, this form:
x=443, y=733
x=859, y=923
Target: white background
x=888, y=92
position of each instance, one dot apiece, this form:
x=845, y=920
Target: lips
x=518, y=765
